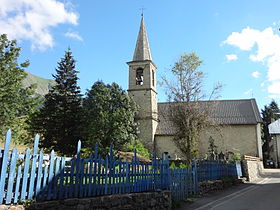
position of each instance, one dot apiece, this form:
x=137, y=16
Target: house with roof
x=239, y=120
x=274, y=131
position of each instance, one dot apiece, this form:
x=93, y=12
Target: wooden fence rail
x=35, y=175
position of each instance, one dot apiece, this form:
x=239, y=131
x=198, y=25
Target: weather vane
x=142, y=9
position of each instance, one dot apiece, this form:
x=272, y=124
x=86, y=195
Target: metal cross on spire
x=142, y=9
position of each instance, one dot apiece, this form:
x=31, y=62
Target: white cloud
x=274, y=96
x=256, y=74
x=247, y=92
x=264, y=46
x=33, y=19
x=231, y=57
x=274, y=88
x=262, y=84
x=74, y=35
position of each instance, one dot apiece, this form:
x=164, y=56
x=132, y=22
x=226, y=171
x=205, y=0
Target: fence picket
x=77, y=173
x=63, y=180
x=25, y=174
x=32, y=173
x=17, y=184
x=56, y=177
x=99, y=176
x=11, y=176
x=44, y=186
x=71, y=186
x=39, y=174
x=81, y=178
x=50, y=178
x=4, y=165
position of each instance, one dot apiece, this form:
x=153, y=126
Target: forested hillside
x=43, y=85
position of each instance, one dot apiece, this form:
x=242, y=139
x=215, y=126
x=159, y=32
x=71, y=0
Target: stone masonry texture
x=136, y=201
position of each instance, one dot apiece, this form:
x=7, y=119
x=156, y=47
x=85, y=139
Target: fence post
x=238, y=168
x=78, y=163
x=4, y=165
x=95, y=169
x=195, y=178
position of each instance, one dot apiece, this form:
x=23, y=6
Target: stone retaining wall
x=217, y=185
x=145, y=200
x=253, y=170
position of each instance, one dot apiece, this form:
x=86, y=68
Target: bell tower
x=142, y=88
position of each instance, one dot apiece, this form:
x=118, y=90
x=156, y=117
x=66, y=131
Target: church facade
x=239, y=120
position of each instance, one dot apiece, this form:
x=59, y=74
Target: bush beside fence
x=48, y=177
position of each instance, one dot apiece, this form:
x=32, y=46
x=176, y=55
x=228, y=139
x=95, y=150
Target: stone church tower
x=142, y=88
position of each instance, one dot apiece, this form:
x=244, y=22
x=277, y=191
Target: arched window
x=139, y=76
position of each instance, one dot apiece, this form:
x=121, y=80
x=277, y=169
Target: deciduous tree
x=16, y=102
x=185, y=88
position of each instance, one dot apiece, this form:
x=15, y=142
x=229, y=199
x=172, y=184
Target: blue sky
x=238, y=41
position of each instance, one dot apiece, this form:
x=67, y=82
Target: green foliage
x=59, y=120
x=16, y=102
x=235, y=157
x=269, y=114
x=27, y=203
x=185, y=88
x=108, y=118
x=139, y=146
x=178, y=166
x=212, y=149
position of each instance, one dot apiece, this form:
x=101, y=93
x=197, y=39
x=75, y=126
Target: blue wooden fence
x=184, y=182
x=212, y=170
x=48, y=177
x=35, y=175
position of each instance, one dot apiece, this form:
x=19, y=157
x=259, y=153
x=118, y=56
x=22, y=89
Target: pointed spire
x=142, y=50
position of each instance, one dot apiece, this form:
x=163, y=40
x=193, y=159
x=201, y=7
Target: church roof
x=142, y=50
x=224, y=112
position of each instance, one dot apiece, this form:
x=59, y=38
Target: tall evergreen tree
x=58, y=121
x=269, y=114
x=16, y=102
x=108, y=118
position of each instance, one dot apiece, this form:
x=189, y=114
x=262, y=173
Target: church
x=239, y=120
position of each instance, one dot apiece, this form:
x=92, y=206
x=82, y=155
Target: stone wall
x=234, y=138
x=145, y=200
x=253, y=170
x=217, y=185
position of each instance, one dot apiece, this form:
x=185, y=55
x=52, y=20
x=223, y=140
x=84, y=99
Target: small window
x=139, y=76
x=153, y=77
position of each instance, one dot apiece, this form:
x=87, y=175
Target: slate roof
x=224, y=112
x=142, y=50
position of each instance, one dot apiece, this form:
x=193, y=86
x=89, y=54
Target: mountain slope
x=43, y=85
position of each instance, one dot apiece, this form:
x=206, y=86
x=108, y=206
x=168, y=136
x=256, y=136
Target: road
x=261, y=195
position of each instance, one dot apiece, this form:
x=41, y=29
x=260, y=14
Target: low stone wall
x=145, y=200
x=12, y=207
x=217, y=185
x=253, y=170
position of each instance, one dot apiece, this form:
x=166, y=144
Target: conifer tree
x=108, y=118
x=58, y=121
